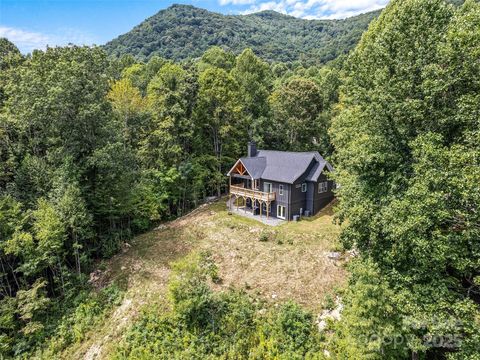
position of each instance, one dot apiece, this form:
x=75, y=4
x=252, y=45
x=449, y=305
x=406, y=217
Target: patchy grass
x=290, y=265
x=274, y=263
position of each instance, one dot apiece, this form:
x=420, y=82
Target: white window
x=304, y=187
x=267, y=187
x=322, y=187
x=281, y=212
x=280, y=189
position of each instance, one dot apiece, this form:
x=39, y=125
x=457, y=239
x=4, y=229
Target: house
x=280, y=184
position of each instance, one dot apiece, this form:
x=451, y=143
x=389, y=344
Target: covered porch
x=245, y=193
x=248, y=213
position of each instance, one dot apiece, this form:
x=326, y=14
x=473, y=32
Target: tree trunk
x=61, y=274
x=218, y=155
x=9, y=291
x=77, y=255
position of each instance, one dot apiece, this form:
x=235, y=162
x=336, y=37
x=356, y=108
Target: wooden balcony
x=252, y=194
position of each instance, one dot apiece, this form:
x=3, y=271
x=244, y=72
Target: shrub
x=90, y=309
x=264, y=236
x=328, y=302
x=288, y=333
x=228, y=325
x=209, y=266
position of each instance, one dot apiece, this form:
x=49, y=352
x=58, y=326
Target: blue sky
x=32, y=24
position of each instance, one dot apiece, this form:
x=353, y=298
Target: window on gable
x=280, y=189
x=322, y=187
x=304, y=187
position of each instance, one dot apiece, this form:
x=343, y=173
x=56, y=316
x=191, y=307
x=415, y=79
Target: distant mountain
x=183, y=31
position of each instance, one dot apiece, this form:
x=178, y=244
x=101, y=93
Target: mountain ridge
x=181, y=32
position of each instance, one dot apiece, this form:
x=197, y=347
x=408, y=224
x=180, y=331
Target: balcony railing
x=252, y=194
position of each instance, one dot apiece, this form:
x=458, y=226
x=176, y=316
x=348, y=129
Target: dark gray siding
x=322, y=199
x=279, y=199
x=312, y=200
x=310, y=197
x=298, y=199
x=295, y=200
x=301, y=201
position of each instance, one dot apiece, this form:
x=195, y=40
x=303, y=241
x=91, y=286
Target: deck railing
x=252, y=194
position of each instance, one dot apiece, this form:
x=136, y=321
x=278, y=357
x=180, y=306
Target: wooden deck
x=252, y=194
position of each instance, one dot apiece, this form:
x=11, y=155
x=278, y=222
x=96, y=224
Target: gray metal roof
x=254, y=165
x=318, y=168
x=285, y=166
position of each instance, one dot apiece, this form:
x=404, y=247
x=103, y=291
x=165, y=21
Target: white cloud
x=315, y=9
x=278, y=6
x=27, y=41
x=236, y=2
x=339, y=9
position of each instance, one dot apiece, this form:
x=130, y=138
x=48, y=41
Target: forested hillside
x=182, y=32
x=95, y=150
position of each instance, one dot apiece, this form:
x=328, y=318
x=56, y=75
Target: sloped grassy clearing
x=290, y=265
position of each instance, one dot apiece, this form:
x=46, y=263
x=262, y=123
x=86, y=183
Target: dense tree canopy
x=94, y=150
x=184, y=32
x=407, y=160
x=295, y=108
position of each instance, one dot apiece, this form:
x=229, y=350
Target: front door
x=281, y=212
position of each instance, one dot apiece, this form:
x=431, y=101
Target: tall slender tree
x=254, y=80
x=218, y=117
x=296, y=106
